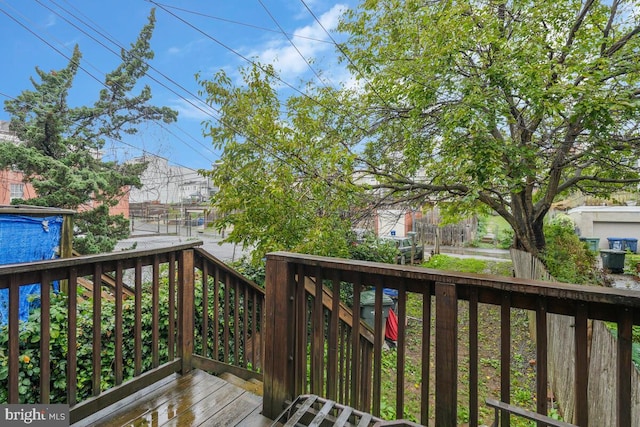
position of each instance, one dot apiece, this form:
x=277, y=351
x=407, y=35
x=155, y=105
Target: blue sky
x=190, y=37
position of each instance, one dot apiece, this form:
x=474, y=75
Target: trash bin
x=616, y=243
x=631, y=244
x=368, y=307
x=593, y=243
x=613, y=260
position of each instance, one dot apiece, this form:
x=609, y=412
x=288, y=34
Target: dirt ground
x=523, y=366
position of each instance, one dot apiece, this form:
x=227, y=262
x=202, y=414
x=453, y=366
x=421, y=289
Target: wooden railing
x=306, y=352
x=188, y=311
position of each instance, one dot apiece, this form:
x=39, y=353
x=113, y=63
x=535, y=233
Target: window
x=17, y=191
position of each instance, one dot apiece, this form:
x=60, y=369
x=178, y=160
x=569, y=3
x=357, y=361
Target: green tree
x=284, y=178
x=61, y=150
x=505, y=105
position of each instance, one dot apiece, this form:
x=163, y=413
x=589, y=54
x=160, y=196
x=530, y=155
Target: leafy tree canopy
x=282, y=179
x=474, y=105
x=501, y=104
x=61, y=150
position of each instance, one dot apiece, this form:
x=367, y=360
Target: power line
x=243, y=23
x=254, y=63
x=291, y=42
x=97, y=79
x=149, y=65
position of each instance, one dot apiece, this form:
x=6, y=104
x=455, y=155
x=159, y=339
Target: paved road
x=211, y=243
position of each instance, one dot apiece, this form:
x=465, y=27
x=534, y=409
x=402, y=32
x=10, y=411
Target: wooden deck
x=194, y=399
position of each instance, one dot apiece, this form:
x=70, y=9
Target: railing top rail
x=579, y=293
x=91, y=259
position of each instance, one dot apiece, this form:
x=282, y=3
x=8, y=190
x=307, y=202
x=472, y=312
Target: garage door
x=615, y=229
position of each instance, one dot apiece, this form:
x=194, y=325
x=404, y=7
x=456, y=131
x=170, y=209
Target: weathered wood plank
x=212, y=405
x=149, y=399
x=235, y=412
x=196, y=398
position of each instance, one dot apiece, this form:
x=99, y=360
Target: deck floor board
x=195, y=399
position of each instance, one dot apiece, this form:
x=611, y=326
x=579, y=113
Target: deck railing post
x=446, y=354
x=185, y=308
x=279, y=336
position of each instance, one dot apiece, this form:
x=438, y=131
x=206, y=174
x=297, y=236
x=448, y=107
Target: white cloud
x=287, y=59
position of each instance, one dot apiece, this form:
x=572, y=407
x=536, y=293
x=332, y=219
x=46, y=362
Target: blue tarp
x=27, y=239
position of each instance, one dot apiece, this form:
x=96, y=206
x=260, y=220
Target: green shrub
x=567, y=258
x=374, y=249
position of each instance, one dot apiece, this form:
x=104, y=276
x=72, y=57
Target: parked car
x=405, y=246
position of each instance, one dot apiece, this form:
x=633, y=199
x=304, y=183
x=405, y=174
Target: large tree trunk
x=528, y=226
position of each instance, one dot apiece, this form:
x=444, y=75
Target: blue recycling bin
x=616, y=243
x=631, y=244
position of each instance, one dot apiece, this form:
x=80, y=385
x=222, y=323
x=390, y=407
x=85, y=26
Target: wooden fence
x=602, y=356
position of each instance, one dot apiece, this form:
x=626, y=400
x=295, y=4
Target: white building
x=167, y=184
x=606, y=222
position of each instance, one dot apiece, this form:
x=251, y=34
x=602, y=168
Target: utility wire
x=320, y=79
x=148, y=75
x=243, y=23
x=260, y=66
x=253, y=140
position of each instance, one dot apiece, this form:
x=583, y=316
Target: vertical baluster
x=118, y=325
x=137, y=321
x=624, y=368
x=14, y=338
x=426, y=355
x=446, y=354
x=505, y=355
x=401, y=356
x=542, y=372
x=300, y=332
x=473, y=357
x=377, y=348
x=333, y=344
x=227, y=313
x=155, y=312
x=246, y=322
x=317, y=343
x=342, y=359
x=72, y=353
x=172, y=305
x=582, y=367
x=204, y=334
x=45, y=336
x=355, y=344
x=97, y=329
x=236, y=321
x=186, y=309
x=216, y=314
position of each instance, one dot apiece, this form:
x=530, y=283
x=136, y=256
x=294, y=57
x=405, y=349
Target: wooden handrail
x=296, y=347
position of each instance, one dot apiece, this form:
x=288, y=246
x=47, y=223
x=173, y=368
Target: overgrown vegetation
x=567, y=258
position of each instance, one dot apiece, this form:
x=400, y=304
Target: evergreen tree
x=60, y=153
